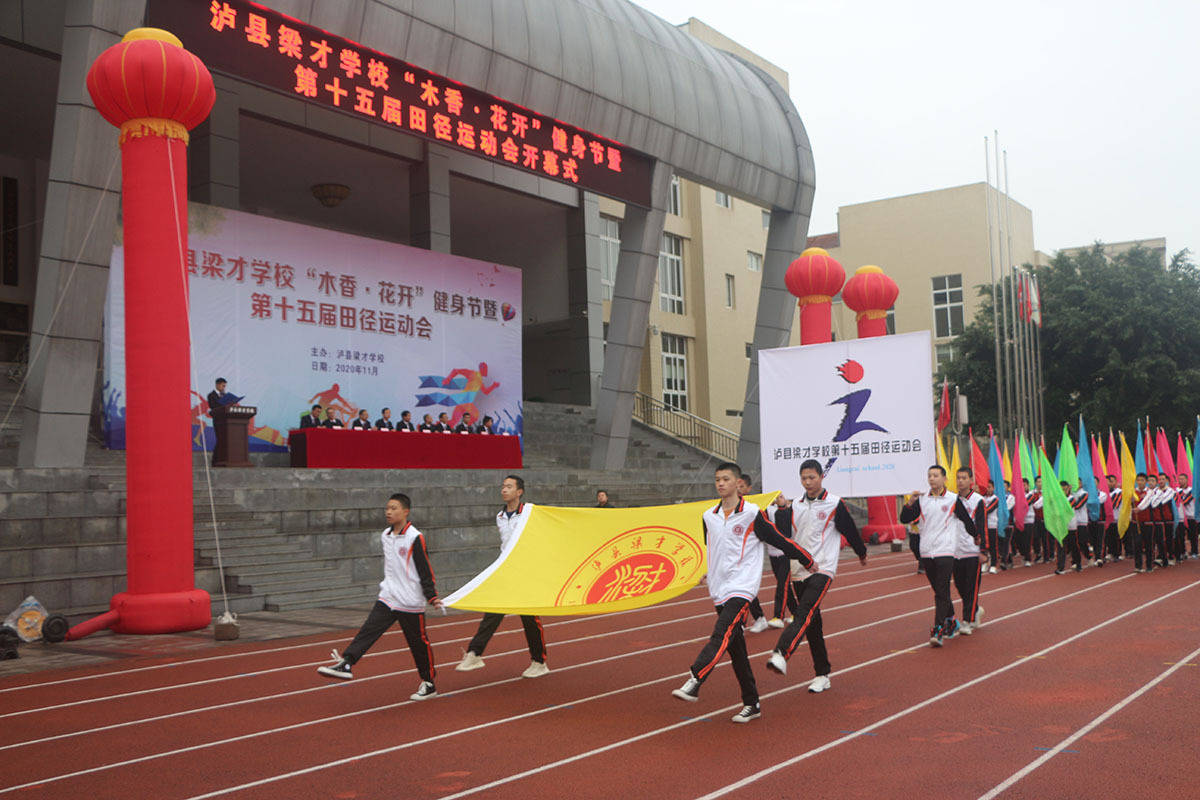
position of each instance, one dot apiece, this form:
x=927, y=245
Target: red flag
x=979, y=465
x=944, y=415
x=1022, y=297
x=1114, y=461
x=1151, y=464
x=1163, y=454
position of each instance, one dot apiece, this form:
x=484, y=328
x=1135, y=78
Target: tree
x=1119, y=339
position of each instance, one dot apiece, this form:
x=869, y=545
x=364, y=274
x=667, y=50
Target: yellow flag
x=955, y=462
x=594, y=560
x=941, y=454
x=1128, y=473
x=1007, y=464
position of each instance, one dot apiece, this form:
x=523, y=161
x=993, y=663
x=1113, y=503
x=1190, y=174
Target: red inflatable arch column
x=155, y=92
x=871, y=293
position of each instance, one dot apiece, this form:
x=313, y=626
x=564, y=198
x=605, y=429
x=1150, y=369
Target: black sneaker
x=1060, y=572
x=747, y=713
x=339, y=670
x=935, y=636
x=950, y=628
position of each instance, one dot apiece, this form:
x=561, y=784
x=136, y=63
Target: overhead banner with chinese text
x=594, y=561
x=294, y=316
x=860, y=407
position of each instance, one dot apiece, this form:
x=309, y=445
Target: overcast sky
x=1097, y=103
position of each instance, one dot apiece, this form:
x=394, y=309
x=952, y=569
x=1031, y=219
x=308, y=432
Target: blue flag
x=996, y=468
x=1139, y=458
x=1195, y=462
x=1084, y=463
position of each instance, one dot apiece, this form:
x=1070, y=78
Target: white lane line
x=309, y=664
x=733, y=787
x=329, y=686
x=1085, y=730
x=672, y=677
x=119, y=671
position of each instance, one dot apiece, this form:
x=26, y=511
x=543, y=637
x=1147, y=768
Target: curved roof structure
x=607, y=66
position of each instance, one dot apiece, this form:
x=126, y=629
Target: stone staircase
x=293, y=539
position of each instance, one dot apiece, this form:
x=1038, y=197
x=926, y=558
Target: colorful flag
x=1113, y=462
x=594, y=561
x=1035, y=297
x=1162, y=454
x=1057, y=461
x=1007, y=464
x=944, y=415
x=1127, y=486
x=1068, y=465
x=941, y=456
x=1151, y=458
x=1181, y=460
x=979, y=465
x=1101, y=471
x=1029, y=464
x=1189, y=451
x=996, y=468
x=955, y=461
x=1195, y=464
x=1083, y=466
x=1056, y=509
x=1139, y=458
x=1020, y=504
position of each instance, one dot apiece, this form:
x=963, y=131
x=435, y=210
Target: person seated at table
x=312, y=419
x=384, y=423
x=485, y=425
x=405, y=423
x=443, y=423
x=332, y=421
x=362, y=422
x=428, y=425
x=464, y=425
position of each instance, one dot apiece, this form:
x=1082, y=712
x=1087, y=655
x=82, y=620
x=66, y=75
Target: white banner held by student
x=860, y=407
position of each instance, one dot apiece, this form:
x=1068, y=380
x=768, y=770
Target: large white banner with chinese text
x=293, y=315
x=859, y=407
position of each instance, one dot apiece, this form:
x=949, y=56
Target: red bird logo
x=851, y=371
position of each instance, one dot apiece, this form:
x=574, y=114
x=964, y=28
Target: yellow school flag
x=941, y=454
x=955, y=463
x=594, y=560
x=1007, y=464
x=1128, y=473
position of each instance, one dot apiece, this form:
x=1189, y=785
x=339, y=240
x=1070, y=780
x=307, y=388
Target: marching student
x=780, y=515
x=819, y=521
x=735, y=567
x=1028, y=534
x=991, y=506
x=1049, y=543
x=1041, y=550
x=1008, y=540
x=968, y=569
x=757, y=621
x=937, y=511
x=1112, y=538
x=510, y=521
x=1168, y=512
x=407, y=585
x=914, y=539
x=1143, y=523
x=1161, y=514
x=1096, y=527
x=1187, y=515
x=1078, y=501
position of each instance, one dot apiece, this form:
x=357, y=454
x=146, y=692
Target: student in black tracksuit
x=785, y=596
x=1112, y=538
x=407, y=585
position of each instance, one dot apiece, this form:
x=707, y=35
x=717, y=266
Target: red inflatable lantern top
x=870, y=292
x=814, y=277
x=148, y=85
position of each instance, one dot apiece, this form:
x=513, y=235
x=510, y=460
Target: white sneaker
x=758, y=626
x=777, y=663
x=747, y=713
x=993, y=571
x=423, y=692
x=536, y=669
x=788, y=620
x=469, y=662
x=964, y=628
x=690, y=691
x=775, y=622
x=819, y=684
x=978, y=623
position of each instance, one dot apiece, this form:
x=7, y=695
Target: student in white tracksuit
x=968, y=569
x=407, y=585
x=734, y=533
x=819, y=521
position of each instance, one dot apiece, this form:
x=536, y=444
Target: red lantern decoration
x=814, y=278
x=155, y=91
x=870, y=293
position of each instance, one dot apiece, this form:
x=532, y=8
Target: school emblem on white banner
x=860, y=407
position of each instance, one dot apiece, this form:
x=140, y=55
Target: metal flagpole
x=1037, y=351
x=987, y=193
x=1014, y=321
x=1010, y=420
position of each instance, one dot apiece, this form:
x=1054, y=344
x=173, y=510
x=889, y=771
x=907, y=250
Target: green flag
x=1027, y=462
x=1056, y=509
x=1068, y=468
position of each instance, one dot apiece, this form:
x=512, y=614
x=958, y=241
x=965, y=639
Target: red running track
x=1077, y=685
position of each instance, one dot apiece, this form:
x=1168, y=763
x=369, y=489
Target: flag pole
x=1018, y=376
x=987, y=193
x=1009, y=422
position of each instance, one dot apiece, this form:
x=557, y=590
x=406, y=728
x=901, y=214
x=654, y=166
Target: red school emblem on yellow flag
x=592, y=561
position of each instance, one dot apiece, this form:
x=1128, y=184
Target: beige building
x=1157, y=245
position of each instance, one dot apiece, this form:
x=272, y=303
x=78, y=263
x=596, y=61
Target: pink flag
x=1163, y=455
x=1181, y=459
x=1020, y=504
x=1101, y=479
x=1114, y=461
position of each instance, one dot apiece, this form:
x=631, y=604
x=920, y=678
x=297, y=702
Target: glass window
x=749, y=349
x=610, y=242
x=944, y=353
x=730, y=296
x=674, y=205
x=670, y=274
x=754, y=261
x=947, y=306
x=723, y=200
x=674, y=363
x=766, y=220
x=891, y=320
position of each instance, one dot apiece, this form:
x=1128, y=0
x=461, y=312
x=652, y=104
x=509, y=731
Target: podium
x=231, y=425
